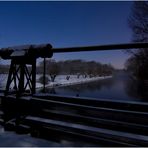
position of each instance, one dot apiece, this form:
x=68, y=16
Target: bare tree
x=78, y=67
x=52, y=69
x=138, y=22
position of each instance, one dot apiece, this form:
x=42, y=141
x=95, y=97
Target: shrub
x=41, y=80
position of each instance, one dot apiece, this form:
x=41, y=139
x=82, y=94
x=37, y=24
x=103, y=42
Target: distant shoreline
x=71, y=82
x=60, y=81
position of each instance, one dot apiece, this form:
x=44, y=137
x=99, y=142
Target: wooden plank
x=129, y=116
x=128, y=105
x=124, y=137
x=95, y=122
x=86, y=120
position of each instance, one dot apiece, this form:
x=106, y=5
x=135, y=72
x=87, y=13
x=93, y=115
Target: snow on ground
x=11, y=139
x=3, y=80
x=60, y=80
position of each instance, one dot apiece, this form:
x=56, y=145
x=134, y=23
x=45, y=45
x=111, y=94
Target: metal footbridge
x=54, y=117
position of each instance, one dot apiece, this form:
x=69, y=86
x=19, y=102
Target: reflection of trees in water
x=92, y=86
x=137, y=88
x=80, y=88
x=133, y=88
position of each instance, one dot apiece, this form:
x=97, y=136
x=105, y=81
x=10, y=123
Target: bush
x=41, y=80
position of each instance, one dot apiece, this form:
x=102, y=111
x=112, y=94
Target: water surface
x=119, y=87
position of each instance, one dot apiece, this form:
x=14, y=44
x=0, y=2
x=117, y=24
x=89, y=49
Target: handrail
x=101, y=47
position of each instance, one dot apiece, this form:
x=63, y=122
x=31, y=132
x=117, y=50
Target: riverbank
x=61, y=81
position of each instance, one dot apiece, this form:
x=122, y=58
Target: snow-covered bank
x=60, y=80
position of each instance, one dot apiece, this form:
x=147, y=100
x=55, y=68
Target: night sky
x=68, y=24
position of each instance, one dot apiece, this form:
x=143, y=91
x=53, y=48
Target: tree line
x=137, y=64
x=75, y=67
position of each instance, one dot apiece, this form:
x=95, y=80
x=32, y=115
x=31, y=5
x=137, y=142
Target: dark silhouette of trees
x=52, y=68
x=76, y=67
x=138, y=22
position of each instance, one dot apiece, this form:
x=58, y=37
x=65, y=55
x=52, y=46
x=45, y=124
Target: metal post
x=34, y=76
x=44, y=74
x=21, y=82
x=9, y=77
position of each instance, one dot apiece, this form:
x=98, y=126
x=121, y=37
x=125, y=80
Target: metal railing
x=101, y=47
x=64, y=50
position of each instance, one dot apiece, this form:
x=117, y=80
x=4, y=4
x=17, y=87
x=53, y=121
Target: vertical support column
x=34, y=76
x=17, y=76
x=21, y=82
x=44, y=74
x=9, y=77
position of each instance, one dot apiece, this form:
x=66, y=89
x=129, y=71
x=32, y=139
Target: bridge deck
x=56, y=118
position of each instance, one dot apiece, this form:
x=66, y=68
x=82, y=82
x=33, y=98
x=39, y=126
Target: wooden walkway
x=99, y=122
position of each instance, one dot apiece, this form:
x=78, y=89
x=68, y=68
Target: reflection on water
x=137, y=89
x=120, y=87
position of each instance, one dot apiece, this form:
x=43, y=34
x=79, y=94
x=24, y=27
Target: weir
x=79, y=120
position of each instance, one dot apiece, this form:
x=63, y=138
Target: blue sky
x=68, y=24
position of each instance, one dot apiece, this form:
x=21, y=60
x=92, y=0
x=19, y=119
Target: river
x=119, y=87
